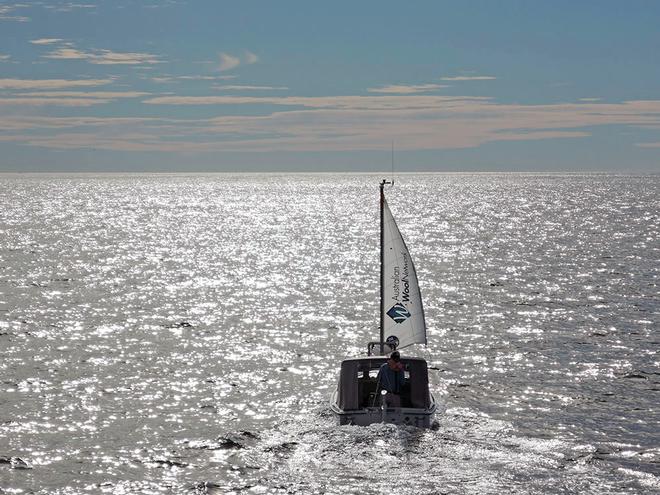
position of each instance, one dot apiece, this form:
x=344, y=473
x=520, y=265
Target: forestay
x=403, y=316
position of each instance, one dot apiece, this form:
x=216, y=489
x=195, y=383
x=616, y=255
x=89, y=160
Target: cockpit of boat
x=359, y=388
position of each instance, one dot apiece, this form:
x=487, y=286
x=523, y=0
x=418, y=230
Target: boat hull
x=407, y=416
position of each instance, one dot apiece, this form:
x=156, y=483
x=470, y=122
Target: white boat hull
x=409, y=416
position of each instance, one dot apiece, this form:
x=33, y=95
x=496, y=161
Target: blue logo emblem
x=398, y=313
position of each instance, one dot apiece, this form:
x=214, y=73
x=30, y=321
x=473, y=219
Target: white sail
x=403, y=316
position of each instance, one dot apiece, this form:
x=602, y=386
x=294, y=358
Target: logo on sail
x=398, y=313
x=401, y=281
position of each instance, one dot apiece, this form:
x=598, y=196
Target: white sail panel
x=403, y=316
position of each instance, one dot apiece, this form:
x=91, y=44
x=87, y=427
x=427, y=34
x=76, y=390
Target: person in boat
x=391, y=379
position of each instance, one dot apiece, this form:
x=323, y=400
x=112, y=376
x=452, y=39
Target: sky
x=270, y=86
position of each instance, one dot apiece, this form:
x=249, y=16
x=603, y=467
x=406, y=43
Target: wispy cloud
x=468, y=78
x=67, y=54
x=162, y=79
x=85, y=94
x=60, y=102
x=229, y=62
x=169, y=79
x=7, y=13
x=251, y=58
x=590, y=99
x=407, y=88
x=46, y=41
x=416, y=122
x=50, y=83
x=247, y=88
x=4, y=58
x=69, y=6
x=67, y=98
x=205, y=78
x=108, y=57
x=17, y=123
x=325, y=123
x=103, y=57
x=338, y=102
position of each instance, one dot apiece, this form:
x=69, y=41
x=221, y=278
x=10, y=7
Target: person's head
x=395, y=360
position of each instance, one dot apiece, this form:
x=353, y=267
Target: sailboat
x=359, y=397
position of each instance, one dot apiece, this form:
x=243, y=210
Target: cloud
x=6, y=13
x=50, y=83
x=67, y=98
x=338, y=102
x=207, y=78
x=468, y=78
x=42, y=123
x=590, y=99
x=290, y=131
x=67, y=54
x=103, y=57
x=69, y=6
x=62, y=102
x=648, y=145
x=108, y=57
x=250, y=58
x=227, y=62
x=162, y=79
x=328, y=123
x=247, y=88
x=168, y=79
x=407, y=89
x=45, y=41
x=362, y=123
x=85, y=94
x=4, y=58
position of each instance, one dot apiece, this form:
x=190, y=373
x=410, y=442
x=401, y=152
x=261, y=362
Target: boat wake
x=465, y=452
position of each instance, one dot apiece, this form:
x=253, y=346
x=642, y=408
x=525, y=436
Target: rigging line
x=392, y=163
x=373, y=403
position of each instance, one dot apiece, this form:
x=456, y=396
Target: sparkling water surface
x=182, y=333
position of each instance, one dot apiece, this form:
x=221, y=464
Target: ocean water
x=182, y=333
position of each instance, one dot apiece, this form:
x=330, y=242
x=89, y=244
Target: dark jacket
x=390, y=380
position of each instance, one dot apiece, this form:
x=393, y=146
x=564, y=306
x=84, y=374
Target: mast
x=381, y=340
